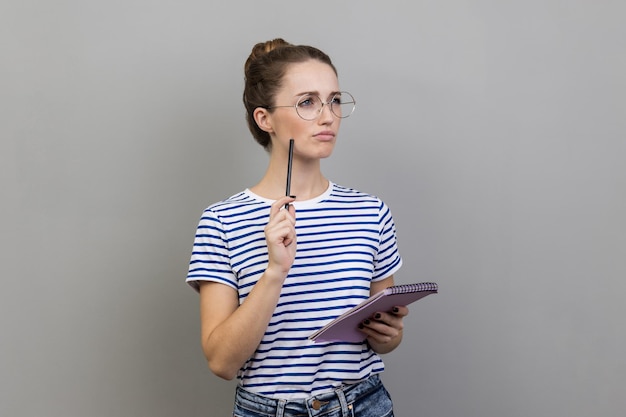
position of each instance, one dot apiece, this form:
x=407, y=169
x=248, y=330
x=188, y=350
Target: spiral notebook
x=345, y=327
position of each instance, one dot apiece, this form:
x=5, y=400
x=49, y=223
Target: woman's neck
x=307, y=180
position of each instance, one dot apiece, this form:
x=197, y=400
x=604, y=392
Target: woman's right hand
x=280, y=235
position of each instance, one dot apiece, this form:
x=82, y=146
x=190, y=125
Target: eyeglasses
x=310, y=106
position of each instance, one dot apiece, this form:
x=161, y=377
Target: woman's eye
x=306, y=102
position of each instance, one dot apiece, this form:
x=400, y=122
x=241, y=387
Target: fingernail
x=377, y=316
x=366, y=322
x=293, y=196
x=396, y=310
x=361, y=325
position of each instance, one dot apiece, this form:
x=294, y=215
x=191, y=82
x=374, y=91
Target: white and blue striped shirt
x=345, y=240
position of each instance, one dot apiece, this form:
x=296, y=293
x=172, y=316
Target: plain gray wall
x=495, y=130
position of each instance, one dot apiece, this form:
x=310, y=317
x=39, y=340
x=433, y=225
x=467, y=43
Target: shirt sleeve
x=388, y=259
x=210, y=257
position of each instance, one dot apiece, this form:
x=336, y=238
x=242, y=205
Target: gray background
x=495, y=130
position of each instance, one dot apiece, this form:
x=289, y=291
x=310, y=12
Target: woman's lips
x=326, y=135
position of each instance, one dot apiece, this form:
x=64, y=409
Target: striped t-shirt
x=345, y=240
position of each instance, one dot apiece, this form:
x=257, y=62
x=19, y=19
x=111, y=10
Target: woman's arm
x=231, y=332
x=384, y=328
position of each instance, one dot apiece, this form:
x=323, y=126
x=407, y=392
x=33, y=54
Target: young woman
x=271, y=269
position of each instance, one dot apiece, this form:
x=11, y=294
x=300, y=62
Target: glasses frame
x=328, y=103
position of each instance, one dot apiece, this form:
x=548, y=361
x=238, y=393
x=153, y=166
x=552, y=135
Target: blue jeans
x=368, y=398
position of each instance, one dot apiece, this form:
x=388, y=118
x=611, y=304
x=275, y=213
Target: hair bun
x=263, y=48
x=269, y=46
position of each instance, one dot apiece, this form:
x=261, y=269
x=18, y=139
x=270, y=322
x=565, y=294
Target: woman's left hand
x=385, y=327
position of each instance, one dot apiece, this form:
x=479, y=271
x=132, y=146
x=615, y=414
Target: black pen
x=289, y=163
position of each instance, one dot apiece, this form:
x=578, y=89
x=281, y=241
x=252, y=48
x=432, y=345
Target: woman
x=271, y=269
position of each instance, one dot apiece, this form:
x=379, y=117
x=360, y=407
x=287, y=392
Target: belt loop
x=343, y=402
x=280, y=408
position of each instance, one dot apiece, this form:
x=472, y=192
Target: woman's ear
x=263, y=119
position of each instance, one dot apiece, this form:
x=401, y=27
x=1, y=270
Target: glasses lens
x=309, y=107
x=342, y=104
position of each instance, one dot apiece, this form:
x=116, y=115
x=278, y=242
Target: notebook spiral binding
x=422, y=286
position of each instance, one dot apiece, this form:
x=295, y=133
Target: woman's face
x=313, y=139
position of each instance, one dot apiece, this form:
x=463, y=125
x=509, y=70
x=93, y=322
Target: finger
x=387, y=319
x=280, y=204
x=288, y=241
x=288, y=236
x=279, y=219
x=291, y=209
x=384, y=318
x=280, y=231
x=379, y=332
x=400, y=311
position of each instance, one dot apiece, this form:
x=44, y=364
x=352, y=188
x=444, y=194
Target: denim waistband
x=341, y=398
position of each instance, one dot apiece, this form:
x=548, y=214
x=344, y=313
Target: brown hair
x=264, y=70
